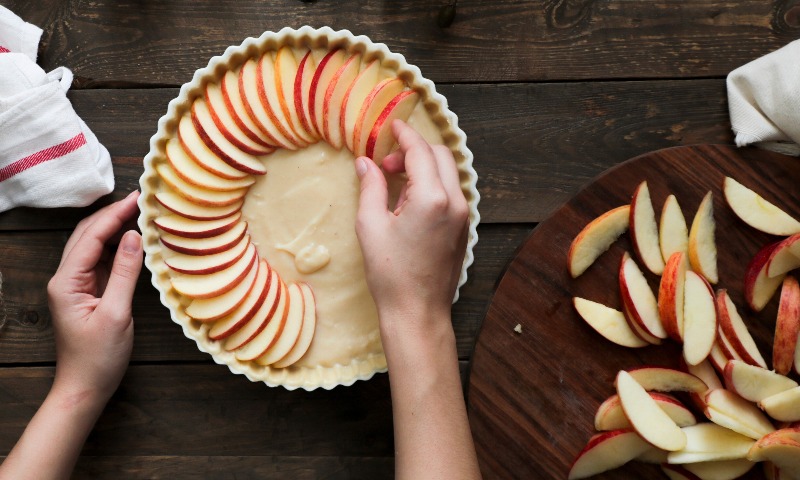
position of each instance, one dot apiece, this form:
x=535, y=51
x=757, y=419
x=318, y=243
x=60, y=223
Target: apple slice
x=639, y=331
x=757, y=212
x=217, y=283
x=596, y=238
x=785, y=257
x=736, y=331
x=758, y=286
x=250, y=90
x=194, y=146
x=292, y=328
x=326, y=69
x=608, y=322
x=717, y=357
x=611, y=416
x=644, y=230
x=271, y=98
x=707, y=442
x=782, y=448
x=180, y=205
x=205, y=264
x=647, y=418
x=306, y=333
x=702, y=246
x=783, y=406
x=215, y=100
x=233, y=321
x=354, y=98
x=204, y=246
x=186, y=227
x=259, y=321
x=726, y=346
x=190, y=171
x=673, y=235
x=705, y=372
x=607, y=451
x=381, y=139
x=270, y=333
x=755, y=383
x=720, y=470
x=221, y=146
x=334, y=100
x=787, y=327
x=229, y=85
x=285, y=75
x=671, y=295
x=639, y=299
x=375, y=103
x=731, y=411
x=664, y=379
x=210, y=309
x=302, y=90
x=700, y=319
x=197, y=195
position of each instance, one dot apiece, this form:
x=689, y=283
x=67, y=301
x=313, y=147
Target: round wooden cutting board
x=532, y=395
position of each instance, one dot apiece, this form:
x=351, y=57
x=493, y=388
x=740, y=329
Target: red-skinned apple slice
x=381, y=139
x=270, y=333
x=607, y=451
x=285, y=75
x=194, y=146
x=233, y=321
x=700, y=319
x=731, y=411
x=638, y=298
x=671, y=295
x=354, y=98
x=758, y=286
x=334, y=100
x=221, y=146
x=291, y=329
x=717, y=356
x=647, y=418
x=178, y=204
x=608, y=322
x=785, y=257
x=197, y=195
x=719, y=470
x=787, y=327
x=186, y=227
x=782, y=448
x=306, y=334
x=205, y=264
x=707, y=442
x=217, y=283
x=783, y=406
x=702, y=245
x=270, y=98
x=596, y=238
x=662, y=379
x=726, y=347
x=238, y=110
x=302, y=91
x=705, y=372
x=210, y=309
x=673, y=235
x=226, y=124
x=375, y=103
x=250, y=93
x=611, y=416
x=754, y=383
x=755, y=211
x=735, y=330
x=639, y=331
x=263, y=316
x=204, y=246
x=190, y=171
x=326, y=69
x=644, y=230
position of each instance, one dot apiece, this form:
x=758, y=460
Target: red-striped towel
x=48, y=156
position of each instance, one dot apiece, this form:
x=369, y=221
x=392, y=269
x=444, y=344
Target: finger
x=394, y=162
x=374, y=197
x=420, y=164
x=401, y=199
x=448, y=172
x=117, y=298
x=86, y=252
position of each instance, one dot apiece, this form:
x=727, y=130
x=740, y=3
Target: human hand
x=412, y=254
x=90, y=299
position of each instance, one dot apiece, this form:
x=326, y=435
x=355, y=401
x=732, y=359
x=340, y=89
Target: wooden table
x=549, y=92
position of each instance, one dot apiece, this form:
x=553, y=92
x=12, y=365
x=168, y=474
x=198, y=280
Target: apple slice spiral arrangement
x=284, y=99
x=753, y=413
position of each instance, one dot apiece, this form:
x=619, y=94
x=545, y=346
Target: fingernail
x=132, y=194
x=131, y=242
x=361, y=167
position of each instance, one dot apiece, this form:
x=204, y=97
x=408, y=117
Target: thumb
x=374, y=198
x=118, y=296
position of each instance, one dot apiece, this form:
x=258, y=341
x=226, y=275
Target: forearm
x=52, y=441
x=432, y=435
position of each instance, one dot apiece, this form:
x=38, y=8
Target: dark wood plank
x=542, y=387
x=534, y=144
x=126, y=43
x=29, y=259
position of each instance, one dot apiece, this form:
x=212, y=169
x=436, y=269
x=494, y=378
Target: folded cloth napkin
x=48, y=156
x=764, y=101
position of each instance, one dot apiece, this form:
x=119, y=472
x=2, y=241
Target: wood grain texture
x=532, y=396
x=109, y=43
x=535, y=145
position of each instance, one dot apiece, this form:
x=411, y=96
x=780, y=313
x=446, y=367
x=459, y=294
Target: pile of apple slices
x=645, y=420
x=284, y=99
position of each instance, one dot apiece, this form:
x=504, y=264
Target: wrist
x=420, y=335
x=70, y=397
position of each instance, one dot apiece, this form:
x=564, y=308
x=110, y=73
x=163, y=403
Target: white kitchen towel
x=48, y=156
x=764, y=101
